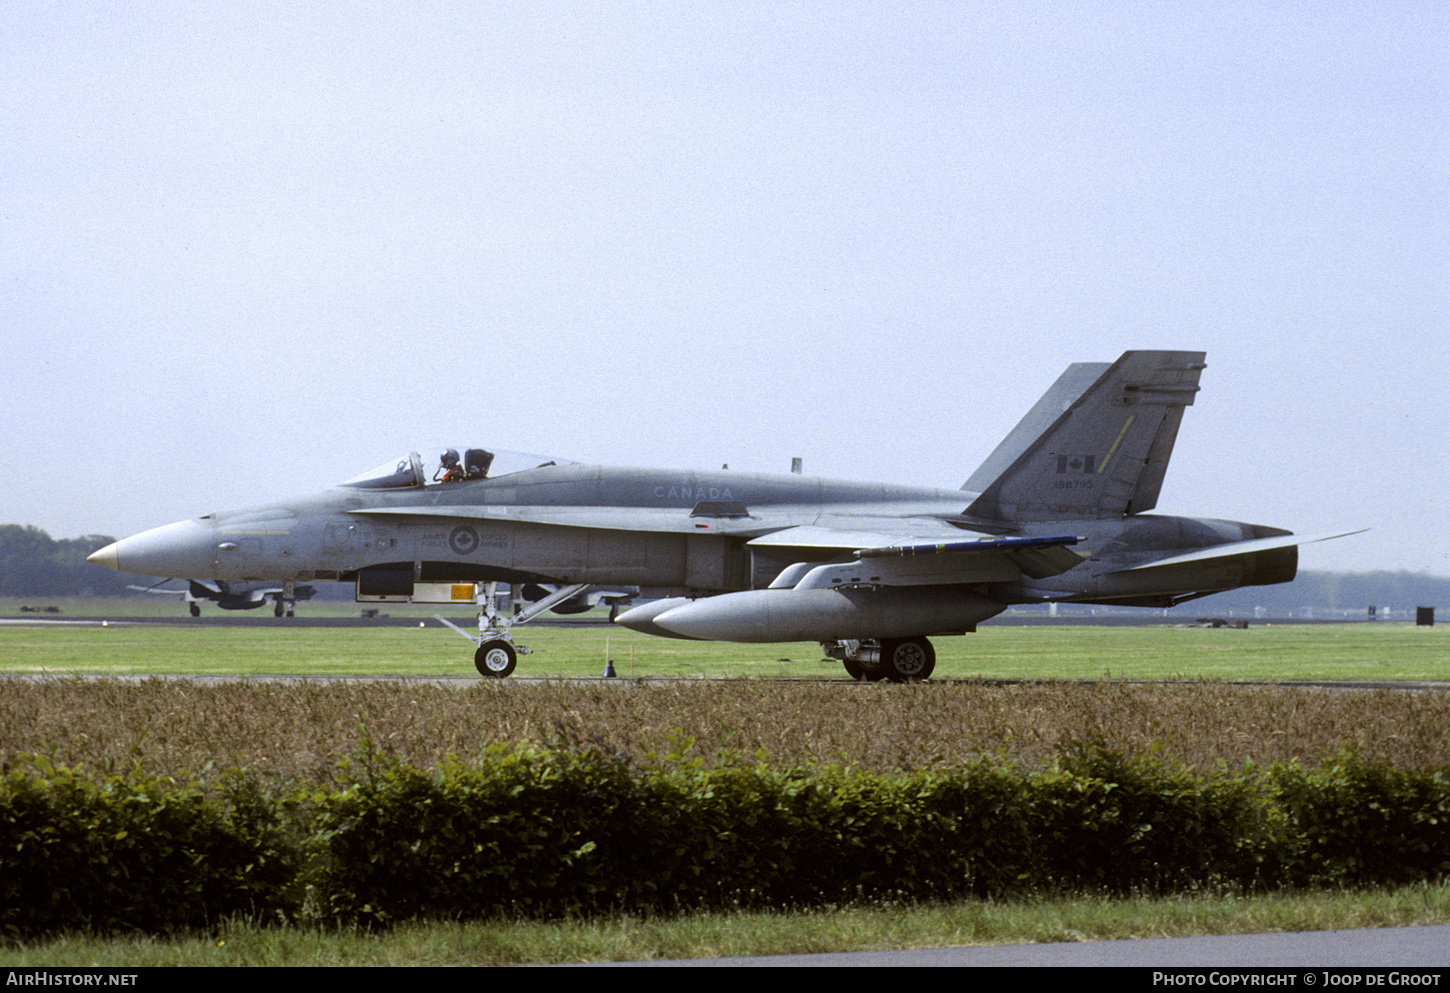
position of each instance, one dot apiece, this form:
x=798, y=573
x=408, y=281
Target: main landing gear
x=495, y=654
x=898, y=660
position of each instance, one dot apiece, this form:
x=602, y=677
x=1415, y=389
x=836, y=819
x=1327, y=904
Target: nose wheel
x=495, y=659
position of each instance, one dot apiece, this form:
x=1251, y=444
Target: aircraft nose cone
x=107, y=557
x=186, y=549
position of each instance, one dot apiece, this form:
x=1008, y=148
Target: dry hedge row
x=300, y=731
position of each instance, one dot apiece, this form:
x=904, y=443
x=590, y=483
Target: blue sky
x=253, y=248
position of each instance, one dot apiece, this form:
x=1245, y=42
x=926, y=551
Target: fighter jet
x=232, y=596
x=1057, y=513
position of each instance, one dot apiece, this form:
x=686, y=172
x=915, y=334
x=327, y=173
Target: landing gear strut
x=286, y=604
x=495, y=654
x=899, y=660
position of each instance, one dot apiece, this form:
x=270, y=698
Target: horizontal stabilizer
x=1235, y=548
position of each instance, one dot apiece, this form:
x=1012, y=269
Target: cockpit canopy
x=446, y=465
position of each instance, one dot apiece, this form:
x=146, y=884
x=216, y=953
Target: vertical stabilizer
x=1105, y=456
x=1059, y=396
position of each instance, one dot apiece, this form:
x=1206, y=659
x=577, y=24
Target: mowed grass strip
x=710, y=935
x=1388, y=651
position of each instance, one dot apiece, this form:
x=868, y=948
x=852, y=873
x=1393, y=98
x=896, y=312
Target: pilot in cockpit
x=448, y=471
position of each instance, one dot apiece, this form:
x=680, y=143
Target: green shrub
x=131, y=852
x=1106, y=823
x=523, y=830
x=1355, y=822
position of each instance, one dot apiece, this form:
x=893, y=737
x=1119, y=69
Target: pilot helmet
x=449, y=458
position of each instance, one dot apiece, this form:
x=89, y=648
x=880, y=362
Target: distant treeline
x=1327, y=592
x=33, y=564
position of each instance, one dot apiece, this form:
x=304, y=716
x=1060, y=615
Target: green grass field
x=1383, y=651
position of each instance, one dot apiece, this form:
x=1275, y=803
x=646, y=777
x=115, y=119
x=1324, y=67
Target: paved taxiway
x=1414, y=950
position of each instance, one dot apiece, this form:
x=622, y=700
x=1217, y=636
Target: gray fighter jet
x=1056, y=514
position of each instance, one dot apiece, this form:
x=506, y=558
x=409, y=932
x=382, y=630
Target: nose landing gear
x=495, y=653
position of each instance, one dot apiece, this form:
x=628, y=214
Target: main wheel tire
x=495, y=659
x=907, y=660
x=853, y=668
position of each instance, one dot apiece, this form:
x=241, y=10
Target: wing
x=920, y=552
x=887, y=579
